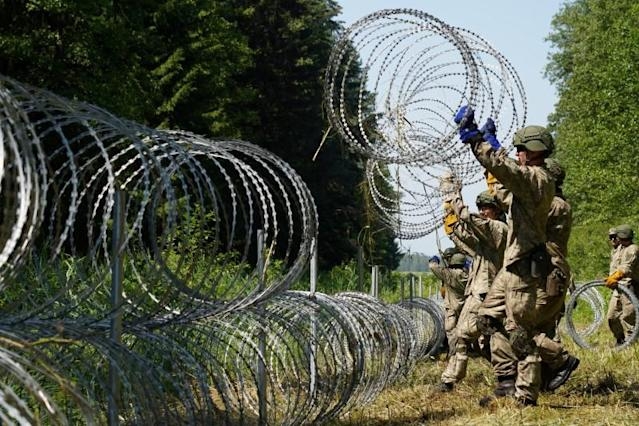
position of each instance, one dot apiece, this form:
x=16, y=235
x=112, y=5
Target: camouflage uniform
x=621, y=311
x=550, y=300
x=487, y=238
x=454, y=281
x=531, y=193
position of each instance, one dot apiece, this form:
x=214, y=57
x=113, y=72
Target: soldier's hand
x=613, y=279
x=465, y=118
x=449, y=222
x=489, y=132
x=442, y=291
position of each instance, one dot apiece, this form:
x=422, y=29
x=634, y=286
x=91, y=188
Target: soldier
x=486, y=236
x=621, y=311
x=454, y=279
x=526, y=261
x=556, y=361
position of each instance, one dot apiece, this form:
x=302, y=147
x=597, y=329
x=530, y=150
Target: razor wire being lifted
x=199, y=314
x=393, y=84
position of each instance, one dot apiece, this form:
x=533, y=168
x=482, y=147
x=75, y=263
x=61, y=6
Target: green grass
x=604, y=390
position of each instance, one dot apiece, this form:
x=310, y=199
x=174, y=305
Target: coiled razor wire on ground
x=199, y=313
x=429, y=318
x=394, y=81
x=598, y=307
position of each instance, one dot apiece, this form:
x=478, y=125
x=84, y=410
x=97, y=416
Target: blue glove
x=489, y=131
x=434, y=259
x=465, y=118
x=468, y=263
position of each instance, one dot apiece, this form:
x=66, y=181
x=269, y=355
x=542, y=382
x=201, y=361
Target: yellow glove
x=442, y=291
x=491, y=182
x=448, y=208
x=613, y=279
x=449, y=221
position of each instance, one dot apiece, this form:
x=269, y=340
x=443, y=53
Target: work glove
x=468, y=263
x=449, y=222
x=491, y=182
x=613, y=279
x=434, y=259
x=465, y=118
x=489, y=132
x=442, y=291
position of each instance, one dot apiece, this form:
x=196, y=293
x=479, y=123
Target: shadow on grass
x=426, y=416
x=609, y=384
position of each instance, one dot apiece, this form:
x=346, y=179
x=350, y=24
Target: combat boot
x=505, y=386
x=563, y=373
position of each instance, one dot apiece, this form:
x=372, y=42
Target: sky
x=517, y=29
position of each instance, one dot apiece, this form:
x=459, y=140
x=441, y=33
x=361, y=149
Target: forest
x=253, y=70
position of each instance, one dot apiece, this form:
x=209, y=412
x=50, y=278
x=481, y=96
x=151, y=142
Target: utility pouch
x=539, y=262
x=555, y=282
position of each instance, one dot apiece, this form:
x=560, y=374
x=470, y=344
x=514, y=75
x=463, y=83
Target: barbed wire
x=587, y=292
x=209, y=331
x=394, y=81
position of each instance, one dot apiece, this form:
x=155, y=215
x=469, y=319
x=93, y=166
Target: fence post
x=261, y=340
x=117, y=274
x=360, y=268
x=411, y=295
x=375, y=281
x=313, y=341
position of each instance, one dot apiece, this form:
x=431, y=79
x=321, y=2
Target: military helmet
x=556, y=170
x=625, y=232
x=449, y=252
x=534, y=138
x=458, y=259
x=612, y=232
x=485, y=198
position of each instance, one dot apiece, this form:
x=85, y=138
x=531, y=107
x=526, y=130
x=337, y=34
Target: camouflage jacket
x=530, y=193
x=629, y=263
x=559, y=224
x=454, y=281
x=614, y=259
x=487, y=238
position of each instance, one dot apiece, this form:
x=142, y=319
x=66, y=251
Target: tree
x=594, y=67
x=292, y=41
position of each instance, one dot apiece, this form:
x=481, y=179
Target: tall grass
x=604, y=390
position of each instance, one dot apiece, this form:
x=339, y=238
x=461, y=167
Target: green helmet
x=625, y=232
x=485, y=198
x=556, y=170
x=612, y=232
x=534, y=138
x=458, y=259
x=447, y=254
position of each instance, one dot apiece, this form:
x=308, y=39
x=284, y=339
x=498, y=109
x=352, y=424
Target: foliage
x=231, y=69
x=596, y=120
x=414, y=262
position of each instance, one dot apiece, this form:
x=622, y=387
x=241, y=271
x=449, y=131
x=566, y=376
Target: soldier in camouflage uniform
x=625, y=262
x=526, y=261
x=454, y=278
x=486, y=236
x=556, y=361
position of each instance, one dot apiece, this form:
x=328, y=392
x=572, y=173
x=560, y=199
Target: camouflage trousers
x=453, y=304
x=530, y=322
x=621, y=315
x=466, y=333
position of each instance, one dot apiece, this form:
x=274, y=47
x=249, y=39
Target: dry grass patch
x=604, y=390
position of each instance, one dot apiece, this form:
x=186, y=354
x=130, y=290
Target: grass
x=604, y=390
